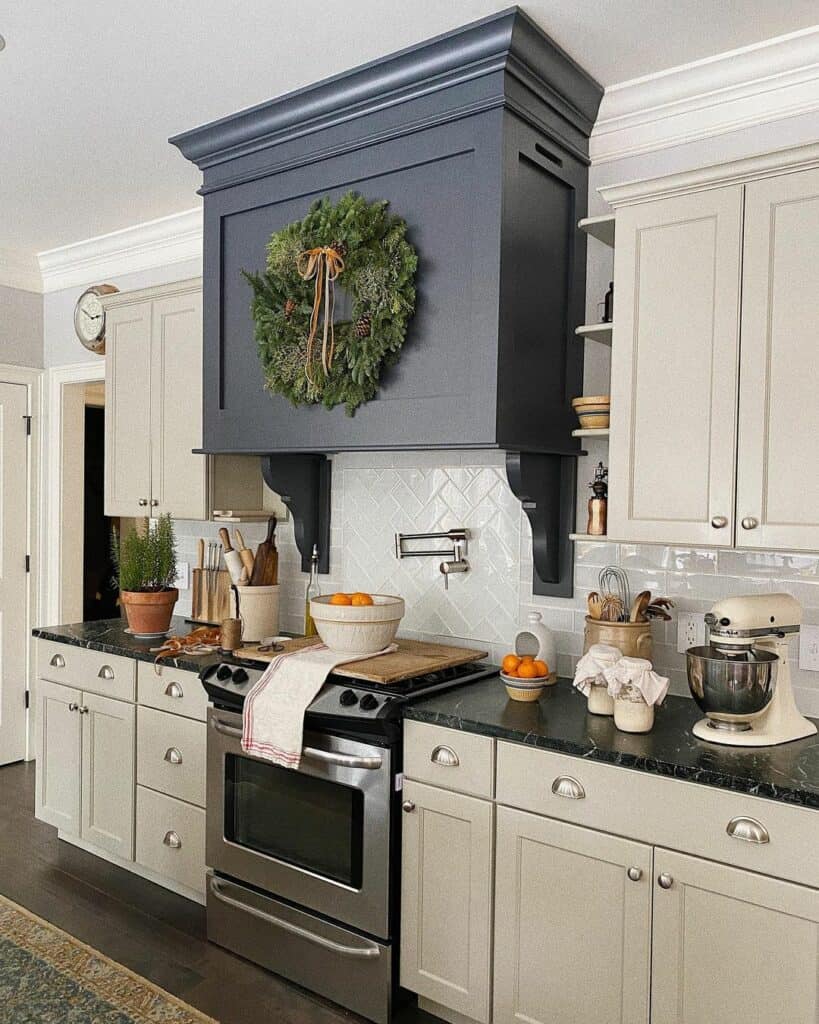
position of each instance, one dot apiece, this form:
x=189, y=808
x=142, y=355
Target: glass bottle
x=313, y=590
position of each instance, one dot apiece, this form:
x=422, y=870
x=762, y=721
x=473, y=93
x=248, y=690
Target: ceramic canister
x=537, y=640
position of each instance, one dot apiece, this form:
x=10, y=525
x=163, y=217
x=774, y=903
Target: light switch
x=809, y=648
x=183, y=576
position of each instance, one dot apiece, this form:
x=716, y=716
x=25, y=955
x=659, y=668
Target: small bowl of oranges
x=357, y=623
x=524, y=676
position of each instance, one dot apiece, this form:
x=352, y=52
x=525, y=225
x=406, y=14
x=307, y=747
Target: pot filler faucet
x=455, y=559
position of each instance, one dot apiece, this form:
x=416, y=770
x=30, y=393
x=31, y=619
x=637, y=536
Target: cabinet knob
x=73, y=706
x=635, y=874
x=154, y=502
x=568, y=788
x=408, y=806
x=106, y=672
x=83, y=710
x=174, y=690
x=748, y=829
x=172, y=839
x=173, y=756
x=445, y=756
x=719, y=522
x=142, y=502
x=749, y=523
x=665, y=881
x=57, y=661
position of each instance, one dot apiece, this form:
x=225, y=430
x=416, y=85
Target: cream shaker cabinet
x=729, y=946
x=59, y=756
x=674, y=369
x=777, y=489
x=446, y=900
x=572, y=924
x=153, y=398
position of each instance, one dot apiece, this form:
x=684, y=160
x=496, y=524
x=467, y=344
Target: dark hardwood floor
x=153, y=932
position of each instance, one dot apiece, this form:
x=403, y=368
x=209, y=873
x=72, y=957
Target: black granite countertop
x=559, y=721
x=109, y=636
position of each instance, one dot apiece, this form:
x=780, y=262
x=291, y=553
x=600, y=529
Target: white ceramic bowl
x=358, y=630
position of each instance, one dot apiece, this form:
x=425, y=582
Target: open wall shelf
x=591, y=432
x=601, y=228
x=597, y=332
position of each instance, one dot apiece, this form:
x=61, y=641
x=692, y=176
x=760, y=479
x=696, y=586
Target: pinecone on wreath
x=289, y=308
x=340, y=247
x=363, y=326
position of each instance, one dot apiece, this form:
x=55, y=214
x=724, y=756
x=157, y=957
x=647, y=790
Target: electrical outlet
x=690, y=631
x=809, y=648
x=183, y=576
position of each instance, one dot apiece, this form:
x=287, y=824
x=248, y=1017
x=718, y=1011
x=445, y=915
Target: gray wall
x=21, y=327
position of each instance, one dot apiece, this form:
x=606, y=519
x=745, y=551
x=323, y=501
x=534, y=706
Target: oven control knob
x=239, y=675
x=368, y=702
x=224, y=672
x=347, y=698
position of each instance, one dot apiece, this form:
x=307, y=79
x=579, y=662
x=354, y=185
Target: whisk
x=613, y=584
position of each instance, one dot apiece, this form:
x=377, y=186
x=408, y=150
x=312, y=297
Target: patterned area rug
x=49, y=977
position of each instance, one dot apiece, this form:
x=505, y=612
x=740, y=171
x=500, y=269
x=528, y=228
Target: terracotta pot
x=149, y=612
x=633, y=639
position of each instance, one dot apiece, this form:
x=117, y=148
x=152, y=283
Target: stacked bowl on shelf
x=592, y=411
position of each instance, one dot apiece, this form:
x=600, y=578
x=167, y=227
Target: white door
x=178, y=478
x=57, y=792
x=446, y=899
x=674, y=369
x=777, y=484
x=730, y=945
x=128, y=410
x=108, y=757
x=14, y=639
x=572, y=927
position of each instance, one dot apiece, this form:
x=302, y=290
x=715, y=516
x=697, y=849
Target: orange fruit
x=513, y=674
x=360, y=599
x=341, y=599
x=510, y=663
x=527, y=659
x=542, y=667
x=528, y=671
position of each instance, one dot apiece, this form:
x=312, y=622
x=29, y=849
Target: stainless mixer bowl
x=733, y=686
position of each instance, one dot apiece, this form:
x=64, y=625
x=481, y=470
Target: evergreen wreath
x=362, y=247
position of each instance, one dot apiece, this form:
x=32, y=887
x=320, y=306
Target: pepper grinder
x=598, y=503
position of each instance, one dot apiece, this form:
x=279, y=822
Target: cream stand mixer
x=742, y=679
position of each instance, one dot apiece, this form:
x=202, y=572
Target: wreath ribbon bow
x=323, y=263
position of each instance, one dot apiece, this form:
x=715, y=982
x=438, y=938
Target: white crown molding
x=770, y=81
x=156, y=243
x=20, y=270
x=780, y=161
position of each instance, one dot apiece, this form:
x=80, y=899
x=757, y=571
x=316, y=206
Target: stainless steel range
x=303, y=866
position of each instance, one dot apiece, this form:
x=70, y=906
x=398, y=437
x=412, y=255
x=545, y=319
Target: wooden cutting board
x=413, y=658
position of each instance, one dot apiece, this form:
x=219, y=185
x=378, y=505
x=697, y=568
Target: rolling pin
x=245, y=554
x=233, y=560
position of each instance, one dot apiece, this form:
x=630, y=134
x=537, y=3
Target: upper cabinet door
x=179, y=478
x=777, y=491
x=128, y=410
x=674, y=369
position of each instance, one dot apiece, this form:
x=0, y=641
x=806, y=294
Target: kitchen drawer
x=448, y=758
x=170, y=838
x=106, y=674
x=665, y=812
x=171, y=755
x=170, y=689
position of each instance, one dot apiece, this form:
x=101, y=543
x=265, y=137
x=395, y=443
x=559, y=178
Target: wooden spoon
x=595, y=602
x=639, y=605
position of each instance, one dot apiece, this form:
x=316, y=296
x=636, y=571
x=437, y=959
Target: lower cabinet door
x=108, y=778
x=730, y=945
x=57, y=792
x=572, y=924
x=446, y=898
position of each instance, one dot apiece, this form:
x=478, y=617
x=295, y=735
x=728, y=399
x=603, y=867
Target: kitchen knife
x=266, y=562
x=233, y=560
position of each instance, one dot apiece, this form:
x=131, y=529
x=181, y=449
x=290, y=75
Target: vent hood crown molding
x=508, y=42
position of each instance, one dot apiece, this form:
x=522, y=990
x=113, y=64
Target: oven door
x=318, y=836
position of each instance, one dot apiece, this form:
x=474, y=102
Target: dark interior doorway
x=100, y=596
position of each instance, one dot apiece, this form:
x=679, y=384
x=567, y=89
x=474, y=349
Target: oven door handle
x=368, y=952
x=313, y=753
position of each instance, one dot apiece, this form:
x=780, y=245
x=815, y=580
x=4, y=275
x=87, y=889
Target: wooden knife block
x=211, y=596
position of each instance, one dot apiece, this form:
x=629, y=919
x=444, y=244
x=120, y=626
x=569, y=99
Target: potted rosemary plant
x=146, y=566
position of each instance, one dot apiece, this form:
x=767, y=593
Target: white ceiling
x=90, y=90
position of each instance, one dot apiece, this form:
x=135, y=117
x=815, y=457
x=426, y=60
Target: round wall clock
x=89, y=317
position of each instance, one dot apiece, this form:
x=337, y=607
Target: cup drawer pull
x=172, y=839
x=57, y=661
x=568, y=788
x=174, y=690
x=748, y=829
x=445, y=756
x=173, y=755
x=106, y=672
